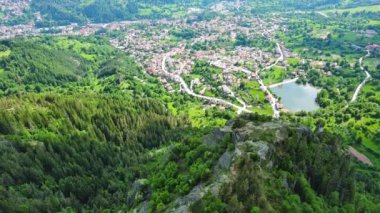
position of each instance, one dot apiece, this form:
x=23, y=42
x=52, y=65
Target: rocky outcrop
x=251, y=138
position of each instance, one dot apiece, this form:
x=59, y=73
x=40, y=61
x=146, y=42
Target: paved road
x=185, y=88
x=323, y=14
x=281, y=58
x=273, y=102
x=368, y=76
x=283, y=82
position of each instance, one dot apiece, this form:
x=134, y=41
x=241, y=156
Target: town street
x=186, y=89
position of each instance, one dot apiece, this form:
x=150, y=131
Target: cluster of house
x=373, y=47
x=7, y=32
x=151, y=42
x=143, y=43
x=225, y=6
x=270, y=99
x=12, y=8
x=29, y=29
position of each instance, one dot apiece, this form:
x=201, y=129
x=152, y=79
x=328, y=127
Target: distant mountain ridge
x=52, y=12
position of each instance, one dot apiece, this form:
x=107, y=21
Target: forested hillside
x=52, y=13
x=102, y=11
x=103, y=156
x=76, y=151
x=79, y=119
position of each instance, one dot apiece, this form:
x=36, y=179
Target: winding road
x=368, y=76
x=185, y=88
x=273, y=101
x=281, y=58
x=240, y=109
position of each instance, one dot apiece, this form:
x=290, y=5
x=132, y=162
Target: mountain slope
x=69, y=11
x=262, y=166
x=252, y=164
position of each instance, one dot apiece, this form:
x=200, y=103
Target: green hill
x=65, y=12
x=71, y=11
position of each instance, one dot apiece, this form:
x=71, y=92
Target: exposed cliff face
x=268, y=163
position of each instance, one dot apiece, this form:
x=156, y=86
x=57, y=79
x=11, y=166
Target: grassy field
x=368, y=153
x=372, y=63
x=274, y=75
x=85, y=49
x=266, y=110
x=145, y=12
x=372, y=8
x=199, y=119
x=373, y=23
x=372, y=146
x=293, y=61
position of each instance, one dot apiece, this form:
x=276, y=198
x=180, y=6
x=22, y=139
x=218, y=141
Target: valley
x=189, y=106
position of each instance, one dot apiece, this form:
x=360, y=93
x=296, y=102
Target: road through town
x=186, y=89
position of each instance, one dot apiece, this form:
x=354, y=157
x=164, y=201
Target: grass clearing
x=293, y=61
x=371, y=8
x=209, y=94
x=274, y=75
x=373, y=23
x=372, y=146
x=199, y=119
x=372, y=63
x=145, y=12
x=265, y=110
x=172, y=109
x=84, y=49
x=87, y=3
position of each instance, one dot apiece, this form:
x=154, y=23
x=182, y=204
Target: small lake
x=297, y=97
